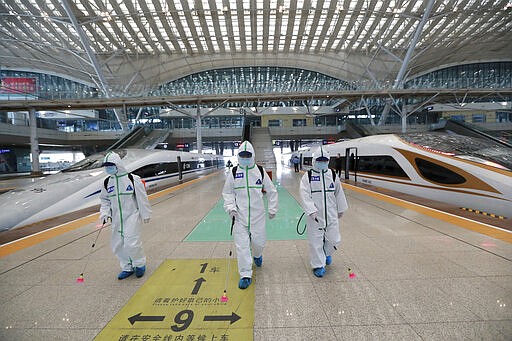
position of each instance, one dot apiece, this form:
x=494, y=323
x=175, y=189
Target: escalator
x=154, y=138
x=129, y=139
x=466, y=129
x=353, y=130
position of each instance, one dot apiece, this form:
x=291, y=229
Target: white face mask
x=111, y=170
x=322, y=165
x=245, y=162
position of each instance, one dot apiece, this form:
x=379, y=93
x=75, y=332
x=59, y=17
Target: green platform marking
x=182, y=301
x=215, y=226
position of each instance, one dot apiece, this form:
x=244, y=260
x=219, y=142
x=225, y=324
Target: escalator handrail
x=125, y=139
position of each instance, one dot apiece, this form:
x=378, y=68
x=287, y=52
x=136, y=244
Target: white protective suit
x=127, y=204
x=243, y=194
x=324, y=197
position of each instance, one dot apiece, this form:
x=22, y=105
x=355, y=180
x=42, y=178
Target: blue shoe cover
x=258, y=261
x=319, y=272
x=328, y=260
x=244, y=282
x=124, y=274
x=139, y=271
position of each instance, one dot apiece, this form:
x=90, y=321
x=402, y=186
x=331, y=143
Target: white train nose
x=11, y=215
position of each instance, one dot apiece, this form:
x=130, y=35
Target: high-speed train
x=79, y=186
x=471, y=173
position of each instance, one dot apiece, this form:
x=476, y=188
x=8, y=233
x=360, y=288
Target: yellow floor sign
x=183, y=300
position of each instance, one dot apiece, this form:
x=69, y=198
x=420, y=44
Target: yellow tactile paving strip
x=485, y=229
x=472, y=225
x=39, y=237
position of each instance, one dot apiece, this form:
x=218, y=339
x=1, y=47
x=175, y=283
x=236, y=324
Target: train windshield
x=470, y=148
x=93, y=161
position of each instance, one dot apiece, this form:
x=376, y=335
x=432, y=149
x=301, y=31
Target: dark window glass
x=307, y=161
x=299, y=122
x=384, y=165
x=190, y=165
x=479, y=118
x=157, y=169
x=437, y=173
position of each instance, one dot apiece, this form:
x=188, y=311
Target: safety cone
x=224, y=297
x=351, y=274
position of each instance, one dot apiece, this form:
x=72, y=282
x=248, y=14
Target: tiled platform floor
x=417, y=278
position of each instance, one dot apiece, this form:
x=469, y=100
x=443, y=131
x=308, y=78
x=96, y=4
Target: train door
x=180, y=169
x=351, y=162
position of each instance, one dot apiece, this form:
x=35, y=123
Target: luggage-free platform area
x=399, y=274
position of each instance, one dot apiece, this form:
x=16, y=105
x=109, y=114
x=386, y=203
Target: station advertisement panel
x=17, y=85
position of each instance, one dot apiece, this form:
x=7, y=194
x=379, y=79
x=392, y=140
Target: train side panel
x=385, y=161
x=66, y=192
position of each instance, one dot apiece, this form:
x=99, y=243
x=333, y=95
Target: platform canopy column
x=34, y=142
x=198, y=131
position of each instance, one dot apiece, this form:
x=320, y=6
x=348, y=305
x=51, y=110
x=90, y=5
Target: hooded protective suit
x=324, y=198
x=243, y=196
x=127, y=204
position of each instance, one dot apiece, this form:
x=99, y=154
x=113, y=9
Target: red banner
x=18, y=85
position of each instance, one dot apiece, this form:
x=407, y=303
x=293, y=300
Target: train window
x=307, y=161
x=190, y=165
x=381, y=164
x=157, y=169
x=437, y=173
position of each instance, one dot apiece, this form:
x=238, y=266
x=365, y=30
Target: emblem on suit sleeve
x=129, y=188
x=258, y=182
x=332, y=185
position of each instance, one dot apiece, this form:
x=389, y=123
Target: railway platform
x=402, y=272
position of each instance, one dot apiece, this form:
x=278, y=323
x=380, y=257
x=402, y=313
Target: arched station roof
x=131, y=47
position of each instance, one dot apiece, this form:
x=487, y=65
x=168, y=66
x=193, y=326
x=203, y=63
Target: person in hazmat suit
x=323, y=202
x=124, y=201
x=243, y=201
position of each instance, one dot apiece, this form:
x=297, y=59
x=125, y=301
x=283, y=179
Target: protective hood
x=246, y=146
x=112, y=158
x=320, y=152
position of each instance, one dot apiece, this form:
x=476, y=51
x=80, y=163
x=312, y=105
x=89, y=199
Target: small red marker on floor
x=80, y=279
x=224, y=298
x=351, y=274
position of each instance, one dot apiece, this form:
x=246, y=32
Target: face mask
x=111, y=170
x=322, y=165
x=245, y=162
